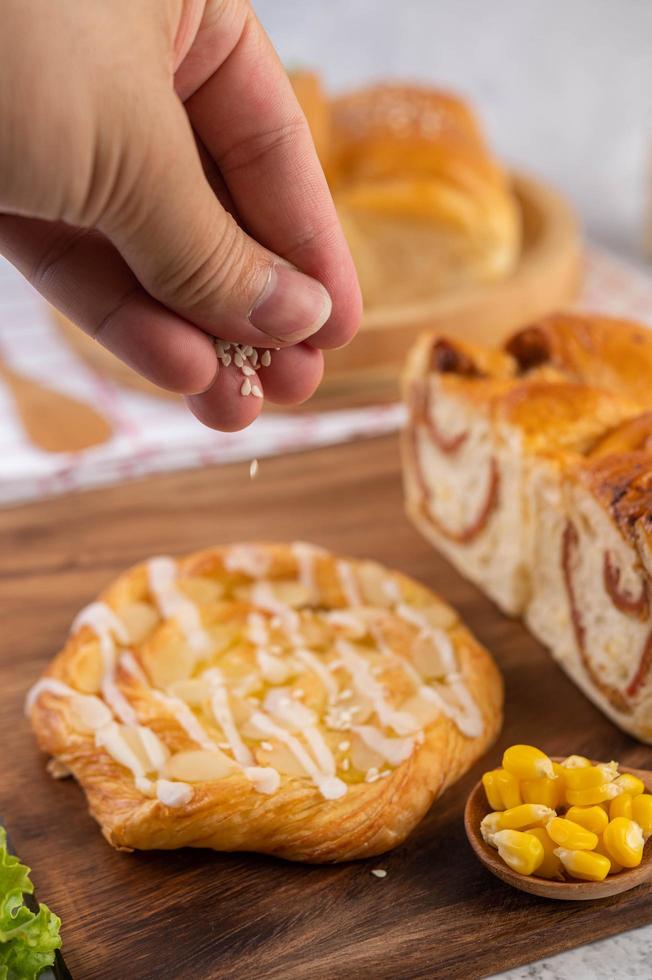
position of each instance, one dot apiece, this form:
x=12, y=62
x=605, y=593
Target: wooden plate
x=546, y=278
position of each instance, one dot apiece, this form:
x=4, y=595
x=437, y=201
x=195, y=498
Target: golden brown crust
x=296, y=821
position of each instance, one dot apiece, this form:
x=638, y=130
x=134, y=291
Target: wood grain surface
x=202, y=915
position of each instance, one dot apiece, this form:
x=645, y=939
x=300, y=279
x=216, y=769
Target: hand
x=158, y=184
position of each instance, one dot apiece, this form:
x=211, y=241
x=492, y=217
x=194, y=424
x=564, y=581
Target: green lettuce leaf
x=28, y=939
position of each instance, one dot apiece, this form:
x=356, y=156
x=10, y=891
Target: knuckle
x=261, y=145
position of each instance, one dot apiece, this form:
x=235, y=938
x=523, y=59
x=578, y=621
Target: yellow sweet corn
x=571, y=835
x=525, y=815
x=527, y=762
x=558, y=769
x=575, y=762
x=621, y=806
x=593, y=818
x=509, y=788
x=490, y=825
x=623, y=840
x=630, y=784
x=593, y=795
x=601, y=849
x=522, y=852
x=585, y=865
x=642, y=813
x=587, y=777
x=551, y=866
x=549, y=792
x=492, y=789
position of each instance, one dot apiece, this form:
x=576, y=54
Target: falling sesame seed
x=267, y=746
x=256, y=391
x=266, y=358
x=247, y=371
x=253, y=469
x=379, y=872
x=245, y=387
x=344, y=746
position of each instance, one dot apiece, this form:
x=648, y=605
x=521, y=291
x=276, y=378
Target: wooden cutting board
x=196, y=915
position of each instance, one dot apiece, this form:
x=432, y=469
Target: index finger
x=249, y=119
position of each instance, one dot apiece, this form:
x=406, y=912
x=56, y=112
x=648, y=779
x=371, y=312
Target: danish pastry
x=268, y=698
x=530, y=467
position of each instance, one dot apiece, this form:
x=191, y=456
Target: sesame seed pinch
x=225, y=406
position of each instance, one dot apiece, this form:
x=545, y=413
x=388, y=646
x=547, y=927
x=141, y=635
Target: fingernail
x=292, y=306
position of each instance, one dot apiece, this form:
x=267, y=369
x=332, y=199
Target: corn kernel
x=525, y=815
x=522, y=852
x=595, y=794
x=621, y=806
x=526, y=762
x=575, y=762
x=588, y=777
x=549, y=792
x=509, y=788
x=631, y=784
x=492, y=790
x=593, y=818
x=642, y=813
x=551, y=866
x=558, y=769
x=571, y=835
x=490, y=825
x=585, y=865
x=601, y=849
x=623, y=840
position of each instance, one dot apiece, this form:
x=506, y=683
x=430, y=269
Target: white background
x=563, y=87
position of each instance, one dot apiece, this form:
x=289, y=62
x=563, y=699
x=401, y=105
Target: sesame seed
x=267, y=746
x=256, y=391
x=253, y=469
x=247, y=371
x=346, y=694
x=344, y=746
x=379, y=872
x=247, y=351
x=298, y=693
x=346, y=765
x=245, y=388
x=238, y=358
x=223, y=745
x=226, y=359
x=384, y=773
x=371, y=775
x=266, y=358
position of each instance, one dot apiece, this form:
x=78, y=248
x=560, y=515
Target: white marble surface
x=564, y=88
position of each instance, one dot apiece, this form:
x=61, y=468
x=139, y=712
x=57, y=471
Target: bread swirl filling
x=261, y=671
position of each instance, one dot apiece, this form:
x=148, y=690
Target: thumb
x=190, y=253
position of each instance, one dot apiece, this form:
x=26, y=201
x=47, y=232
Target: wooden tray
x=198, y=914
x=546, y=279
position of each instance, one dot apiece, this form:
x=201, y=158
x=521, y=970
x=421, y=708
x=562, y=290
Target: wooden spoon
x=569, y=891
x=54, y=422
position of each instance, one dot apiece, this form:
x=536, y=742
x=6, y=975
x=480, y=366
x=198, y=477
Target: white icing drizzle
x=366, y=684
x=393, y=750
x=348, y=583
x=329, y=786
x=101, y=619
x=264, y=778
x=110, y=738
x=312, y=662
x=224, y=717
x=305, y=555
x=466, y=714
x=439, y=637
x=295, y=715
x=172, y=604
x=247, y=558
x=173, y=793
x=50, y=684
x=177, y=708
